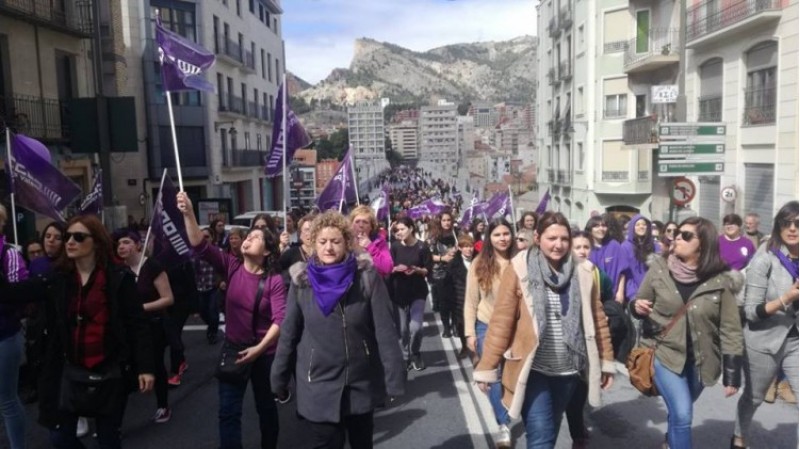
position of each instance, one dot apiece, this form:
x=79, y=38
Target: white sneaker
x=83, y=427
x=503, y=440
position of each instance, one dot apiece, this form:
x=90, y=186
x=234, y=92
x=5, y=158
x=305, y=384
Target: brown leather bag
x=641, y=359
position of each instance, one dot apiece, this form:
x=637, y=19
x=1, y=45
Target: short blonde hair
x=365, y=210
x=332, y=219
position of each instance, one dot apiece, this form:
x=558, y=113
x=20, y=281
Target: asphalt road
x=441, y=410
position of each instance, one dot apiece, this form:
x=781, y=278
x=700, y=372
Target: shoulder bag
x=640, y=360
x=227, y=368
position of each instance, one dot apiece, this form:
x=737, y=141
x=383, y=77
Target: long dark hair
x=710, y=262
x=616, y=228
x=789, y=211
x=103, y=246
x=591, y=223
x=645, y=245
x=477, y=236
x=271, y=263
x=58, y=226
x=486, y=267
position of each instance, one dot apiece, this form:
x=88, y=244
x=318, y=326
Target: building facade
x=438, y=139
x=365, y=124
x=405, y=139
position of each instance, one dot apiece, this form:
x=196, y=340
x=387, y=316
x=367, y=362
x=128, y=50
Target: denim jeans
x=495, y=389
x=546, y=398
x=411, y=317
x=107, y=428
x=209, y=309
x=10, y=405
x=679, y=392
x=231, y=396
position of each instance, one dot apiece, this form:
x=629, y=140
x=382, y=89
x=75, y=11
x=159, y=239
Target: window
x=759, y=97
x=616, y=163
x=271, y=102
x=259, y=144
x=277, y=70
x=643, y=31
x=581, y=36
x=581, y=157
x=267, y=106
x=263, y=65
x=269, y=67
x=191, y=146
x=252, y=6
x=216, y=34
x=220, y=92
x=247, y=140
x=709, y=108
x=244, y=98
x=615, y=31
x=579, y=103
x=615, y=92
x=239, y=8
x=275, y=25
x=759, y=191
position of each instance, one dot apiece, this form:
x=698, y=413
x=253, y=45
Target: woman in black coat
x=96, y=324
x=458, y=269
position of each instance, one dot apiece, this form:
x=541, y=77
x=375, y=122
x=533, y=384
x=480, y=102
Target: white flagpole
x=344, y=185
x=150, y=228
x=286, y=201
x=11, y=179
x=174, y=139
x=353, y=172
x=513, y=213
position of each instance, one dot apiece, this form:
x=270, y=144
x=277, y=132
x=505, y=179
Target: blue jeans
x=10, y=405
x=679, y=392
x=546, y=398
x=495, y=389
x=231, y=396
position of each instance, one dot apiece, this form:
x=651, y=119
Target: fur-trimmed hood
x=299, y=274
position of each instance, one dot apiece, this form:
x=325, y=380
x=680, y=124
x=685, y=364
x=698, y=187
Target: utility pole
x=103, y=134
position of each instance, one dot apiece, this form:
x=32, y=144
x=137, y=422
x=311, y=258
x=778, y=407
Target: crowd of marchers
x=328, y=312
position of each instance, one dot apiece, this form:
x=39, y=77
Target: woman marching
x=458, y=270
x=338, y=340
x=549, y=325
x=771, y=311
x=366, y=235
x=607, y=254
x=638, y=246
x=483, y=285
x=412, y=260
x=443, y=249
x=254, y=309
x=688, y=304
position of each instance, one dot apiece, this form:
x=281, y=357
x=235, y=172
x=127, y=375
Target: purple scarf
x=330, y=282
x=787, y=263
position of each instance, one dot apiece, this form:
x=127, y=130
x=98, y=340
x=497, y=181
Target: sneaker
x=174, y=381
x=83, y=427
x=162, y=415
x=503, y=438
x=416, y=363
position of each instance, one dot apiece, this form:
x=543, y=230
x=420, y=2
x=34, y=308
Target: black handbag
x=227, y=368
x=90, y=393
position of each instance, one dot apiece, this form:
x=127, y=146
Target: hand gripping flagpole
x=11, y=180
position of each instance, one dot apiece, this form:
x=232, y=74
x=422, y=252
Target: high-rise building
x=438, y=140
x=404, y=137
x=365, y=124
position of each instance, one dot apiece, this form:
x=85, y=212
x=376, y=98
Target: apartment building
x=365, y=124
x=741, y=70
x=438, y=139
x=303, y=179
x=405, y=139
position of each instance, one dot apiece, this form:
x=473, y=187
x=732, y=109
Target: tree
x=394, y=158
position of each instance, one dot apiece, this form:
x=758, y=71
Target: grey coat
x=345, y=363
x=767, y=280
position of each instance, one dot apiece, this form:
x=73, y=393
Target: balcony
x=709, y=108
x=759, y=106
x=642, y=130
x=565, y=71
x=73, y=18
x=713, y=21
x=234, y=105
x=615, y=176
x=644, y=175
x=565, y=18
x=657, y=49
x=614, y=47
x=243, y=158
x=41, y=118
x=229, y=51
x=248, y=62
x=253, y=109
x=553, y=30
x=552, y=77
x=564, y=177
x=551, y=175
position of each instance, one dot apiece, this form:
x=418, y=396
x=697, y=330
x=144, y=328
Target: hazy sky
x=319, y=34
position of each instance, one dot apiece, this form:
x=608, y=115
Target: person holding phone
x=409, y=289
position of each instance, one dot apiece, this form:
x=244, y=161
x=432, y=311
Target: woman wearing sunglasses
x=692, y=290
x=771, y=311
x=95, y=322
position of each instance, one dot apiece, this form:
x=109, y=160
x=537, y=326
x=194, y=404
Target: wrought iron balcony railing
x=640, y=130
x=710, y=16
x=656, y=42
x=244, y=158
x=615, y=176
x=759, y=106
x=71, y=17
x=710, y=108
x=37, y=117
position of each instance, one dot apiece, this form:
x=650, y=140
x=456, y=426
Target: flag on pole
x=542, y=207
x=340, y=189
x=93, y=202
x=380, y=205
x=36, y=183
x=170, y=241
x=499, y=206
x=428, y=207
x=183, y=62
x=296, y=138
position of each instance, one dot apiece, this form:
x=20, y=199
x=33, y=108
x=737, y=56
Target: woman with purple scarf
x=637, y=248
x=338, y=340
x=770, y=309
x=607, y=254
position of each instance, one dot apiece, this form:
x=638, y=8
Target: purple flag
x=542, y=207
x=36, y=183
x=167, y=229
x=93, y=202
x=296, y=138
x=340, y=187
x=499, y=206
x=380, y=205
x=182, y=61
x=427, y=207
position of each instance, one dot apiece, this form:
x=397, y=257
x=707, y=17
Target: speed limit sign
x=728, y=194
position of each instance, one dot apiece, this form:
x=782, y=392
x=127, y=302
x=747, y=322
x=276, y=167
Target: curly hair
x=486, y=266
x=333, y=219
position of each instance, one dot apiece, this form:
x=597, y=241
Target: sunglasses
x=788, y=223
x=77, y=236
x=670, y=230
x=686, y=236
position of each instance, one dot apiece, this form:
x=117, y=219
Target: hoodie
x=610, y=258
x=635, y=269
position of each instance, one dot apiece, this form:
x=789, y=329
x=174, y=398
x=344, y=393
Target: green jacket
x=713, y=319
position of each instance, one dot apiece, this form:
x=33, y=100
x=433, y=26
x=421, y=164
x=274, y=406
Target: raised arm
x=192, y=228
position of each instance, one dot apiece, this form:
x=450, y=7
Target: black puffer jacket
x=345, y=363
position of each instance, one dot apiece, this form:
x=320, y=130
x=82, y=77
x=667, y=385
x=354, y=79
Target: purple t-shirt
x=610, y=258
x=240, y=297
x=736, y=253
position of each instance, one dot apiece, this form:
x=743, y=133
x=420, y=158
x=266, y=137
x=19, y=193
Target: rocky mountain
x=492, y=71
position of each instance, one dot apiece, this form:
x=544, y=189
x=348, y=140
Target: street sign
x=683, y=191
x=683, y=130
x=687, y=168
x=728, y=194
x=681, y=149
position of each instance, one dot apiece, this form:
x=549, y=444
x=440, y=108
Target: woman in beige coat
x=549, y=329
